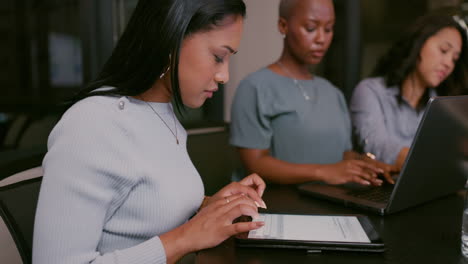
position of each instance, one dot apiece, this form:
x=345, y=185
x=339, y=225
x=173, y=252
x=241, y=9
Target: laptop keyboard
x=376, y=194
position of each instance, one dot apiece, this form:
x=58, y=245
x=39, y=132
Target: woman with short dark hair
x=430, y=59
x=119, y=186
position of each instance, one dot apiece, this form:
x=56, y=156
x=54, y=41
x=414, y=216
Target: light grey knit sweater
x=114, y=180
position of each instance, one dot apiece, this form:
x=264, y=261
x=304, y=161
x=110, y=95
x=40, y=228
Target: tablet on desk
x=314, y=233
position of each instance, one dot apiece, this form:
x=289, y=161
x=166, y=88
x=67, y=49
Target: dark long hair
x=151, y=42
x=403, y=57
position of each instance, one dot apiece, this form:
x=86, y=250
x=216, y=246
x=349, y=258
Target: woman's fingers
x=369, y=166
x=388, y=177
x=231, y=198
x=377, y=182
x=249, y=191
x=242, y=227
x=364, y=176
x=362, y=172
x=237, y=205
x=388, y=170
x=358, y=179
x=256, y=182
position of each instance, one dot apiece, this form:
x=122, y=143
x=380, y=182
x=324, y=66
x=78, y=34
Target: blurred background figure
x=430, y=59
x=290, y=125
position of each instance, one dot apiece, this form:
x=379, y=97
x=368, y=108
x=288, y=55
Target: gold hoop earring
x=164, y=73
x=167, y=69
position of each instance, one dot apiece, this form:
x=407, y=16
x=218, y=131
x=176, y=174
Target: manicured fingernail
x=261, y=204
x=261, y=193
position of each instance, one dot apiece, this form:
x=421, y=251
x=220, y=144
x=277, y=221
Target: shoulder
x=372, y=92
x=326, y=85
x=93, y=138
x=376, y=85
x=96, y=103
x=259, y=75
x=95, y=114
x=94, y=108
x=322, y=82
x=259, y=79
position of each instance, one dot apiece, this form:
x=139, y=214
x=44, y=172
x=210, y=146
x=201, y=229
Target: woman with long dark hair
x=119, y=186
x=430, y=59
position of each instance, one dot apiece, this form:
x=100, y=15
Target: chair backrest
x=18, y=203
x=18, y=160
x=213, y=157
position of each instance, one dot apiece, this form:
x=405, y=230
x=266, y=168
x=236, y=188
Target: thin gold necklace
x=296, y=82
x=162, y=119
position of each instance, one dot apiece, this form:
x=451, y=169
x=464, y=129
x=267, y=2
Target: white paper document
x=310, y=228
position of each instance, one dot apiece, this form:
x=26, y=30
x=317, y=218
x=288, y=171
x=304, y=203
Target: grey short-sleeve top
x=270, y=112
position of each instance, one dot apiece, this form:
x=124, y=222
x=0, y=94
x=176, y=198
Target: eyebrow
x=312, y=19
x=451, y=46
x=230, y=49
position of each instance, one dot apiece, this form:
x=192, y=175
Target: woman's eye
x=310, y=29
x=218, y=59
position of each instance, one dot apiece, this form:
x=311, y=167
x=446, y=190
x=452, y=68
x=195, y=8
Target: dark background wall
x=50, y=48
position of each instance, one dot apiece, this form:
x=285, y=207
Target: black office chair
x=18, y=160
x=18, y=203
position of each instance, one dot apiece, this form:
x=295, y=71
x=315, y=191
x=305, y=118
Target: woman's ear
x=283, y=26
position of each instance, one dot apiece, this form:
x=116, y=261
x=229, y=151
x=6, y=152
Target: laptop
x=436, y=165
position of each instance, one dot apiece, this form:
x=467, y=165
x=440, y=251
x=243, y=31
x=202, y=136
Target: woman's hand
x=253, y=186
x=346, y=171
x=387, y=169
x=211, y=226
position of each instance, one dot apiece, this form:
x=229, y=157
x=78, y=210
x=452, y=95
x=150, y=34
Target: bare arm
x=274, y=170
x=401, y=157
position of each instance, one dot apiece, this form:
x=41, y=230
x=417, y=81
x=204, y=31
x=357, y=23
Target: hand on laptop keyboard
x=350, y=170
x=383, y=170
x=388, y=170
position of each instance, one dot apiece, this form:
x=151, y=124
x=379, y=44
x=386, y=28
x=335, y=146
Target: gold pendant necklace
x=296, y=82
x=173, y=115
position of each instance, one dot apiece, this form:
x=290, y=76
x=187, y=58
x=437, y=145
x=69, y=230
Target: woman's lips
x=442, y=75
x=210, y=92
x=318, y=53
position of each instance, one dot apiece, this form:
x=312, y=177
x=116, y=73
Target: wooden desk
x=429, y=233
